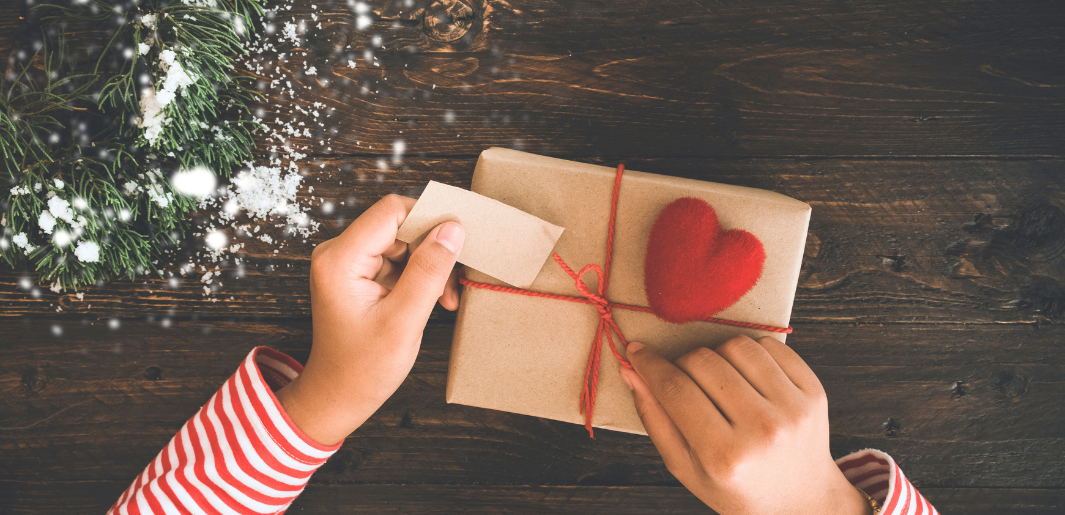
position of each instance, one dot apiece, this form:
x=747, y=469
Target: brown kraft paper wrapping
x=528, y=355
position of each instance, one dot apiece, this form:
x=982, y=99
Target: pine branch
x=69, y=189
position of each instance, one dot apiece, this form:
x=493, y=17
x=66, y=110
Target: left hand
x=371, y=297
x=743, y=426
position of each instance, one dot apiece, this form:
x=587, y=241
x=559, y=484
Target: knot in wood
x=447, y=21
x=1040, y=231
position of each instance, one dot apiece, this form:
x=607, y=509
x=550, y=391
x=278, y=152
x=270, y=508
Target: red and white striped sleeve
x=240, y=454
x=878, y=475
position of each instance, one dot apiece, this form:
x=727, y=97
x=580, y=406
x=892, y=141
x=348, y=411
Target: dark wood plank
x=639, y=78
x=95, y=496
x=968, y=406
x=953, y=241
x=652, y=78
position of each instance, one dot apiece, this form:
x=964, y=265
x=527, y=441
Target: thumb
x=425, y=275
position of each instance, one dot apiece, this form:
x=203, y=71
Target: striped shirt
x=241, y=454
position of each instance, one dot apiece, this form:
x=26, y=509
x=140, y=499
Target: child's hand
x=745, y=428
x=369, y=305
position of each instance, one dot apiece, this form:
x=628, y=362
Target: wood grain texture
x=953, y=241
x=635, y=78
x=957, y=406
x=669, y=78
x=93, y=497
x=927, y=136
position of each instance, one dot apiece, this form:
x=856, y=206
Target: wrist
x=314, y=411
x=854, y=503
x=843, y=498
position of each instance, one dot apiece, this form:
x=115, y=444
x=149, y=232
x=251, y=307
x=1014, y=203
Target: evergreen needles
x=88, y=148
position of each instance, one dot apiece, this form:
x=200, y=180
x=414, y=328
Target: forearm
x=239, y=454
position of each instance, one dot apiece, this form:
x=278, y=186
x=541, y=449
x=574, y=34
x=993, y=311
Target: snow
x=46, y=222
x=148, y=20
x=197, y=182
x=264, y=191
x=61, y=209
x=61, y=238
x=22, y=241
x=87, y=252
x=175, y=80
x=216, y=240
x=160, y=197
x=289, y=32
x=142, y=48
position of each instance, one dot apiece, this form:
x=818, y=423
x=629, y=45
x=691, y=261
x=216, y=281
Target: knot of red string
x=608, y=327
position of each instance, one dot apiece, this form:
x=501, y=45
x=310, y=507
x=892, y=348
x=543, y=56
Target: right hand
x=744, y=427
x=371, y=296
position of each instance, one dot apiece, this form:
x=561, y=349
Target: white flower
x=46, y=222
x=87, y=252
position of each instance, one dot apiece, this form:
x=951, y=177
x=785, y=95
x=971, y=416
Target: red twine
x=596, y=298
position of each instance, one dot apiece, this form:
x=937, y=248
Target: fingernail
x=451, y=235
x=634, y=347
x=625, y=376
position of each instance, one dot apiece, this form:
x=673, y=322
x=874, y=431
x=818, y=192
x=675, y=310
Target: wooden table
x=928, y=135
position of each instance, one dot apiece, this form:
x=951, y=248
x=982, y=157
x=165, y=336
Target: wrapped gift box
x=528, y=355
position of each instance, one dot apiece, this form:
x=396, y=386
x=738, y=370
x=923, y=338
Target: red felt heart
x=693, y=268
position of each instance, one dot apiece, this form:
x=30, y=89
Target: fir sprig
x=89, y=196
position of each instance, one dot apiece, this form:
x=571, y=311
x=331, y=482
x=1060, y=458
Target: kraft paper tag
x=501, y=241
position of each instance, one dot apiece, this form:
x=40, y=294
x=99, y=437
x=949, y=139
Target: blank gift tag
x=501, y=241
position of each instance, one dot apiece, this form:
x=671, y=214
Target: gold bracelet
x=872, y=502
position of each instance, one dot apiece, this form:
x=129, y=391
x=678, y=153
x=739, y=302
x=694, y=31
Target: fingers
x=663, y=432
x=686, y=404
x=450, y=299
x=719, y=380
x=757, y=367
x=373, y=234
x=793, y=366
x=397, y=252
x=425, y=276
